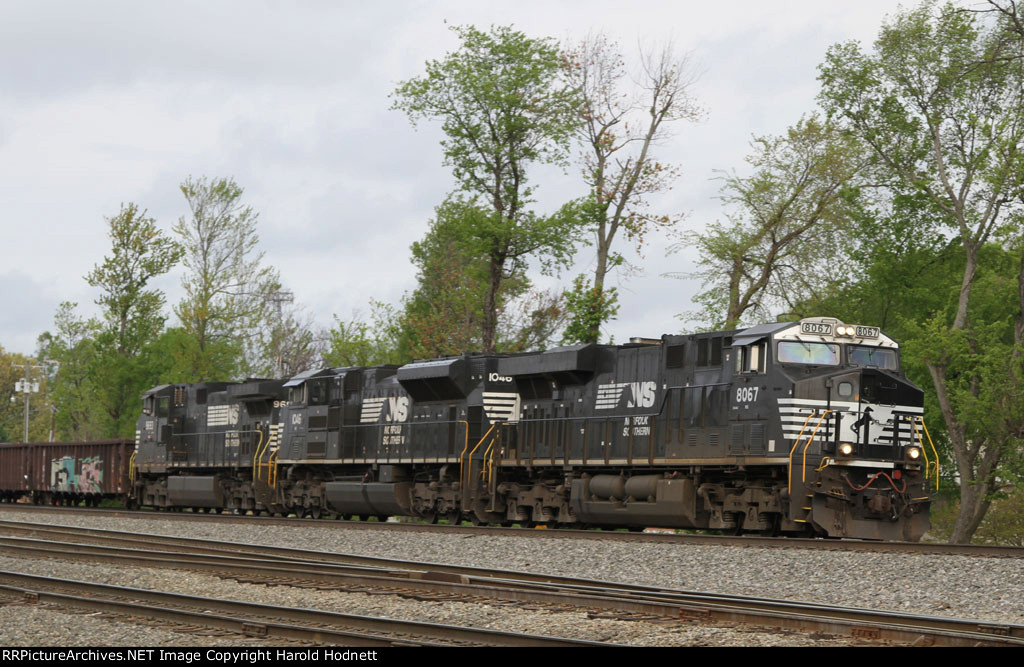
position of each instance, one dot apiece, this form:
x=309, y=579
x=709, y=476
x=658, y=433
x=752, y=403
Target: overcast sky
x=110, y=102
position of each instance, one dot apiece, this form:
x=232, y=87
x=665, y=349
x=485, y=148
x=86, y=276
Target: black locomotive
x=799, y=428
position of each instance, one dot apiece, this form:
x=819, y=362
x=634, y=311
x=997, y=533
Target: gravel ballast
x=986, y=589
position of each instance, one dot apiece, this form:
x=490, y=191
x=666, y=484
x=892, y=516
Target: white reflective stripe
x=372, y=407
x=865, y=464
x=222, y=415
x=609, y=395
x=501, y=404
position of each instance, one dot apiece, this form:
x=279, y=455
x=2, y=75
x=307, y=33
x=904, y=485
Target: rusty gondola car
x=61, y=473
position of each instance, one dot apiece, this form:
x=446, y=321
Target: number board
x=816, y=328
x=867, y=332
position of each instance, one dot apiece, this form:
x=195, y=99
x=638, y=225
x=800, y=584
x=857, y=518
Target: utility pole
x=26, y=385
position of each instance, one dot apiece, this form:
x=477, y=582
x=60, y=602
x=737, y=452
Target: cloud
x=115, y=101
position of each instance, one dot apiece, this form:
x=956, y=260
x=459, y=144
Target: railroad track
x=264, y=621
x=254, y=563
x=982, y=550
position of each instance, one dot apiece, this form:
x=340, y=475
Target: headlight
x=913, y=453
x=845, y=331
x=845, y=448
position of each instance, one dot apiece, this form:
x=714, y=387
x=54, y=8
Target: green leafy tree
x=444, y=315
x=227, y=287
x=588, y=308
x=448, y=311
x=132, y=313
x=73, y=345
x=503, y=109
x=619, y=127
x=787, y=225
x=940, y=103
x=12, y=412
x=356, y=342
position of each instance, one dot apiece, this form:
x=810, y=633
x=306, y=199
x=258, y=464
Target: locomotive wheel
x=314, y=513
x=774, y=529
x=454, y=517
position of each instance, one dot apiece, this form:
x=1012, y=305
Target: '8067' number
x=746, y=394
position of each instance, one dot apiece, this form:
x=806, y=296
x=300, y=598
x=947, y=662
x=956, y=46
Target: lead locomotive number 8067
x=798, y=428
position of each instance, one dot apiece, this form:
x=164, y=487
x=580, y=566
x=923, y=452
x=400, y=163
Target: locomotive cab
x=859, y=458
x=162, y=415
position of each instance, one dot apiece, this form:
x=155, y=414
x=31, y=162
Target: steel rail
x=478, y=583
x=938, y=548
x=253, y=619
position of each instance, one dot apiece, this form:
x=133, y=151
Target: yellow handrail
x=470, y=457
x=803, y=469
x=789, y=486
x=272, y=473
x=485, y=472
x=924, y=450
x=487, y=454
x=927, y=464
x=131, y=467
x=464, y=448
x=258, y=455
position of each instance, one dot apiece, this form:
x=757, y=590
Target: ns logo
x=640, y=395
x=398, y=409
x=643, y=394
x=385, y=409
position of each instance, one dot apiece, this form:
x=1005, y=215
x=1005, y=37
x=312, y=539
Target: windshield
x=862, y=355
x=798, y=352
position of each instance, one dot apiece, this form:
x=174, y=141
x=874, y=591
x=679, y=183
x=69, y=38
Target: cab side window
x=750, y=359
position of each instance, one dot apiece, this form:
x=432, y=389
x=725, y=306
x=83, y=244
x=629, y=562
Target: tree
x=462, y=282
x=132, y=313
x=444, y=315
x=289, y=342
x=532, y=321
x=226, y=286
x=12, y=413
x=73, y=345
x=356, y=342
x=940, y=103
x=502, y=111
x=587, y=308
x=787, y=228
x=619, y=133
x=140, y=253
